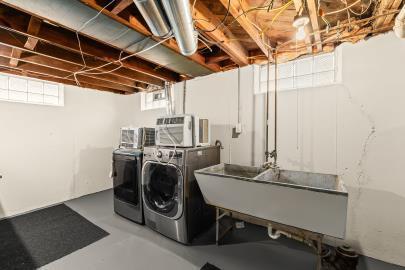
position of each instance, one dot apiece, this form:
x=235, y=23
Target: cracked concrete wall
x=355, y=129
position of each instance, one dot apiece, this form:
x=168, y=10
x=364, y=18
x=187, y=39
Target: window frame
x=337, y=74
x=150, y=102
x=41, y=92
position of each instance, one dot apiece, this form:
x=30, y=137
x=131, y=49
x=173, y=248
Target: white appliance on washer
x=184, y=130
x=173, y=203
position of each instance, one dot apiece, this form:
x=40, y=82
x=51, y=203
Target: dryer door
x=125, y=178
x=162, y=187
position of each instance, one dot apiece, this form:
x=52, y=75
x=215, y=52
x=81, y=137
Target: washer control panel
x=164, y=155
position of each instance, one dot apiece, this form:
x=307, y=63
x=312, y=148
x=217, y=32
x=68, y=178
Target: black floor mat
x=209, y=266
x=35, y=239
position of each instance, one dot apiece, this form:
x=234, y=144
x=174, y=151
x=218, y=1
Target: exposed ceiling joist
x=33, y=28
x=121, y=5
x=313, y=16
x=206, y=20
x=308, y=39
x=384, y=5
x=15, y=56
x=198, y=58
x=67, y=40
x=37, y=75
x=138, y=25
x=395, y=5
x=52, y=72
x=218, y=57
x=236, y=10
x=73, y=61
x=69, y=69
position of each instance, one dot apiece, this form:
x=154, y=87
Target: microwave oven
x=182, y=131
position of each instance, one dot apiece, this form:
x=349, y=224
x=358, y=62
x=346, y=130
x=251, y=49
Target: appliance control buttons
x=159, y=154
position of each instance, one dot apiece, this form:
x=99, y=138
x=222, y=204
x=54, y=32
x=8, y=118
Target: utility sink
x=310, y=201
x=303, y=179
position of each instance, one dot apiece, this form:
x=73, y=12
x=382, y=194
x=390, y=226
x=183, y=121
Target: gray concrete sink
x=311, y=201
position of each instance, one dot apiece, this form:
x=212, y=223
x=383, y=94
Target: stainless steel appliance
x=182, y=131
x=127, y=166
x=137, y=137
x=173, y=203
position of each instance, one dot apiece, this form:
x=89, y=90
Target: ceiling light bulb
x=300, y=35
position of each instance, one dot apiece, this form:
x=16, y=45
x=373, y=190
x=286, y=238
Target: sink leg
x=319, y=253
x=217, y=226
x=220, y=232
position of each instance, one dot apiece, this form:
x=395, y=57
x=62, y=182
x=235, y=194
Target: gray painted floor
x=132, y=246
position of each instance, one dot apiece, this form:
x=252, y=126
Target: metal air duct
x=154, y=17
x=74, y=15
x=179, y=14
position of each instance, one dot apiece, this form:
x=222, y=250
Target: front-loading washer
x=173, y=203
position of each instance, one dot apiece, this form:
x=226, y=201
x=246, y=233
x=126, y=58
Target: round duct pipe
x=179, y=14
x=154, y=16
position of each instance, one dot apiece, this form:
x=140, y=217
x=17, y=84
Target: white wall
x=355, y=129
x=51, y=154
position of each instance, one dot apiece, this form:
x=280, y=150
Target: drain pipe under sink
x=275, y=234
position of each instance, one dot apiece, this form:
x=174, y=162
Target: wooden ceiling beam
x=381, y=8
x=33, y=28
x=236, y=10
x=101, y=53
x=395, y=5
x=123, y=4
x=73, y=60
x=313, y=16
x=171, y=44
x=208, y=21
x=308, y=39
x=51, y=72
x=39, y=76
x=15, y=56
x=217, y=57
x=67, y=40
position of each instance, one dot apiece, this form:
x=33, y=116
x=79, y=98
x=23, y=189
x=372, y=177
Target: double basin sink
x=311, y=201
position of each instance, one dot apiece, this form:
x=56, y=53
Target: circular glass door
x=162, y=188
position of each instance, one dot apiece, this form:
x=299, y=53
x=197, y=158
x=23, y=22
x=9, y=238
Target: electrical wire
x=282, y=9
x=343, y=9
x=363, y=11
x=265, y=7
x=124, y=58
x=365, y=20
x=205, y=44
x=222, y=21
x=84, y=26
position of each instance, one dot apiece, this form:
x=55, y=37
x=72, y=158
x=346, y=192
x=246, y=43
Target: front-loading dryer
x=173, y=203
x=126, y=174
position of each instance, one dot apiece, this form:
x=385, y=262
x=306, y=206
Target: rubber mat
x=35, y=239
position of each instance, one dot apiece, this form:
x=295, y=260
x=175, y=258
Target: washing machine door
x=162, y=187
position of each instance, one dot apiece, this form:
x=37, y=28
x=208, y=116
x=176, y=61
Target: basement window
x=313, y=71
x=26, y=90
x=153, y=100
